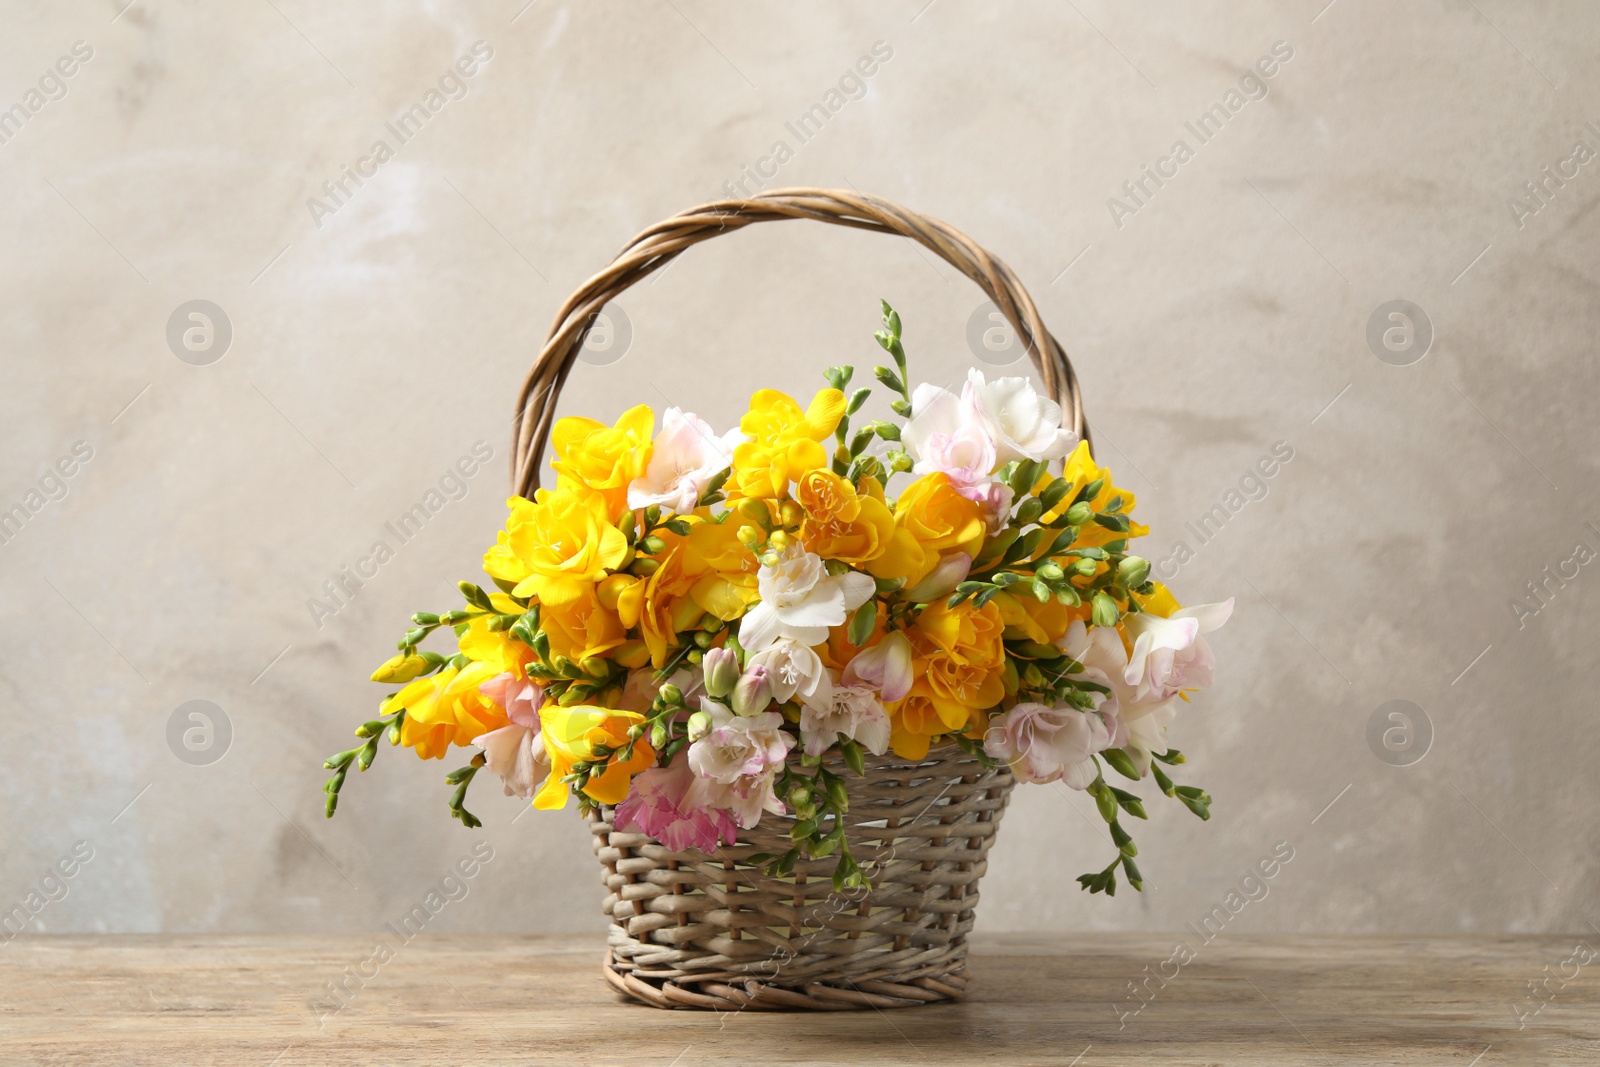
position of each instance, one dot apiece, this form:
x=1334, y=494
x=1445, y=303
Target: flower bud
x=1086, y=567
x=1080, y=513
x=1051, y=571
x=400, y=668
x=671, y=694
x=721, y=671
x=1133, y=571
x=699, y=724
x=754, y=691
x=778, y=540
x=791, y=513
x=950, y=572
x=658, y=737
x=1105, y=610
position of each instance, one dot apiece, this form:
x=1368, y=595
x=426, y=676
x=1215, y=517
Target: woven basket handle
x=661, y=243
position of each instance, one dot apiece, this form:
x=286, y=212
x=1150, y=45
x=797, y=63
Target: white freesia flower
x=793, y=669
x=1105, y=662
x=685, y=456
x=801, y=600
x=886, y=666
x=1170, y=655
x=1023, y=423
x=1147, y=735
x=853, y=711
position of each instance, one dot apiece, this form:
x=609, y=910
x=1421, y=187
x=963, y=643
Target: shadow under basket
x=690, y=930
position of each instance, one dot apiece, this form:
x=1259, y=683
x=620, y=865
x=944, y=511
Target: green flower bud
x=1080, y=513
x=1133, y=570
x=1105, y=610
x=699, y=724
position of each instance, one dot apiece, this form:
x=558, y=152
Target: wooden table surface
x=446, y=999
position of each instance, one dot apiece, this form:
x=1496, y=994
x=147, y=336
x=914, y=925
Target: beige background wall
x=1227, y=313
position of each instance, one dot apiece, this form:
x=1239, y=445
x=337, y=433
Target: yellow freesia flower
x=496, y=650
x=1160, y=602
x=1025, y=617
x=603, y=459
x=446, y=708
x=500, y=561
x=723, y=568
x=583, y=627
x=572, y=735
x=841, y=523
x=931, y=518
x=566, y=542
x=660, y=606
x=784, y=442
x=1081, y=469
x=958, y=661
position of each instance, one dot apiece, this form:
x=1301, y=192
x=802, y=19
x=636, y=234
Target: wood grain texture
x=449, y=999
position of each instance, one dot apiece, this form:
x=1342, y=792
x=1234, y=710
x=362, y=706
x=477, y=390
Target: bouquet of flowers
x=690, y=627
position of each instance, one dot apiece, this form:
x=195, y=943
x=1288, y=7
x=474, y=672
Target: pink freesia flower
x=515, y=752
x=735, y=762
x=886, y=666
x=1044, y=744
x=520, y=697
x=657, y=805
x=685, y=456
x=1170, y=655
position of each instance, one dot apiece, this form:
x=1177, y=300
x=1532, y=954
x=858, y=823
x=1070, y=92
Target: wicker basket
x=710, y=931
x=699, y=931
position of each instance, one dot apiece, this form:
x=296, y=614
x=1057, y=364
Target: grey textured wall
x=1212, y=317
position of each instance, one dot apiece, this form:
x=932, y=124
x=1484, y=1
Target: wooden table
x=446, y=999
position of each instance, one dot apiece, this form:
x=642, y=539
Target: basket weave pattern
x=704, y=931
